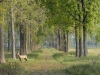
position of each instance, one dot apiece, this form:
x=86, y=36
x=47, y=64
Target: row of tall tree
x=27, y=24
x=23, y=26
x=80, y=15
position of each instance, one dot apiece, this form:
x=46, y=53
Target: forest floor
x=53, y=62
x=46, y=64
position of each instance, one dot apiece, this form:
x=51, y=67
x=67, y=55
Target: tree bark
x=57, y=40
x=85, y=41
x=29, y=40
x=13, y=34
x=67, y=42
x=9, y=38
x=64, y=42
x=84, y=29
x=60, y=41
x=22, y=40
x=54, y=41
x=80, y=41
x=2, y=56
x=77, y=41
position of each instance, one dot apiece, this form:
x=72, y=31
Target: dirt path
x=47, y=65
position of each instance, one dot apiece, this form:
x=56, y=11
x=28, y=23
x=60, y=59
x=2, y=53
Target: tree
x=2, y=56
x=30, y=24
x=81, y=14
x=58, y=18
x=12, y=31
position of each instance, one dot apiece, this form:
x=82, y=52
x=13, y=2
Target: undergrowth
x=53, y=62
x=35, y=54
x=11, y=69
x=79, y=66
x=85, y=69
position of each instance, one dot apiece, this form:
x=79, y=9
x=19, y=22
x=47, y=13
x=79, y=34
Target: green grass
x=54, y=62
x=85, y=69
x=11, y=69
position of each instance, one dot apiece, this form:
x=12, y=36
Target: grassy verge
x=54, y=62
x=11, y=69
x=80, y=66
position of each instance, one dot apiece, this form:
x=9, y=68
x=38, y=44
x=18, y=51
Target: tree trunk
x=54, y=41
x=77, y=41
x=60, y=41
x=85, y=41
x=64, y=42
x=2, y=56
x=67, y=42
x=84, y=28
x=13, y=34
x=80, y=41
x=57, y=40
x=22, y=40
x=29, y=40
x=9, y=38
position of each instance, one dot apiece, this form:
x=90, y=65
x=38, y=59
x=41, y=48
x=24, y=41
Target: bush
x=11, y=69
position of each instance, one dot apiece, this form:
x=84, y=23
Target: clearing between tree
x=48, y=61
x=54, y=62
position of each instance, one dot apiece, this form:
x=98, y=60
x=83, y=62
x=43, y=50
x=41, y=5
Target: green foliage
x=66, y=13
x=97, y=36
x=11, y=69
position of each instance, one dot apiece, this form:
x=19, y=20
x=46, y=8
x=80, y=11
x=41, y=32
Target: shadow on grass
x=85, y=69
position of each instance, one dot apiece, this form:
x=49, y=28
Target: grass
x=54, y=62
x=11, y=69
x=85, y=69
